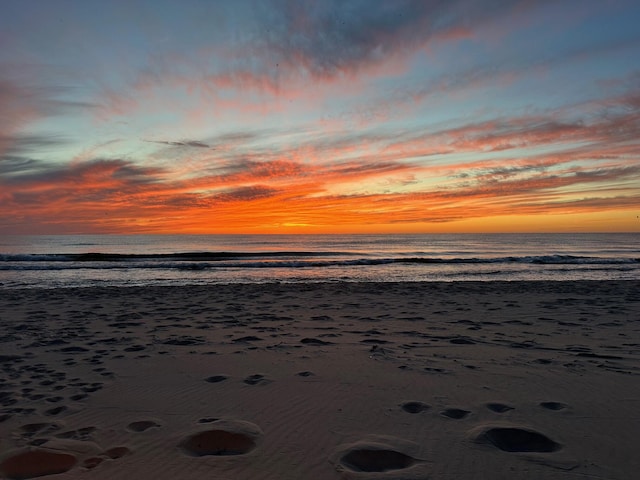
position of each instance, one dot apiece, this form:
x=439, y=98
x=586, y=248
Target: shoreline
x=589, y=283
x=399, y=380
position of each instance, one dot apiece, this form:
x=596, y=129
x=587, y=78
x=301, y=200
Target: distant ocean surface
x=132, y=260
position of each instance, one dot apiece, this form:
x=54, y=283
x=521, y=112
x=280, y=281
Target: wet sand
x=479, y=380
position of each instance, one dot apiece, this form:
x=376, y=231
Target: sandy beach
x=479, y=380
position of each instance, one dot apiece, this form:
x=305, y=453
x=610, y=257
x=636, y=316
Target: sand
x=520, y=380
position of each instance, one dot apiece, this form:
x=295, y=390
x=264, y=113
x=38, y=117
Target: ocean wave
x=212, y=260
x=179, y=256
x=531, y=259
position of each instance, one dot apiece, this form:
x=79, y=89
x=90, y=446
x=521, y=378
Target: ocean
x=54, y=261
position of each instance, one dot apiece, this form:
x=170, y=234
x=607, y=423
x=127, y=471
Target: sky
x=319, y=116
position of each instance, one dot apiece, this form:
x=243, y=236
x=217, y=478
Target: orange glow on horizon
x=294, y=197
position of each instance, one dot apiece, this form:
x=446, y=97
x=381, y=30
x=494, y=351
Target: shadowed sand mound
x=36, y=463
x=228, y=438
x=514, y=439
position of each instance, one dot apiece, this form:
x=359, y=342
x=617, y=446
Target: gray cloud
x=30, y=172
x=296, y=40
x=10, y=165
x=19, y=144
x=253, y=192
x=22, y=101
x=181, y=143
x=333, y=37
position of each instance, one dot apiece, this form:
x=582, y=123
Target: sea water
x=51, y=261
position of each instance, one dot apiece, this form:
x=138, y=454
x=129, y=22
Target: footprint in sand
x=55, y=411
x=117, y=452
x=142, y=426
x=31, y=429
x=553, y=405
x=93, y=462
x=208, y=420
x=515, y=439
x=256, y=379
x=375, y=460
x=36, y=463
x=414, y=407
x=377, y=454
x=499, y=407
x=113, y=453
x=455, y=413
x=223, y=438
x=81, y=434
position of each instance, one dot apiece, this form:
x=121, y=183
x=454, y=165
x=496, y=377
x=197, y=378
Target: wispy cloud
x=332, y=113
x=263, y=192
x=293, y=43
x=182, y=143
x=24, y=102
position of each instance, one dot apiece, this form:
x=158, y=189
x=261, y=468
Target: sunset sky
x=319, y=116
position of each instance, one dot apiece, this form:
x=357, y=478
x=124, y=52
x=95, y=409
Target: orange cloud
x=333, y=181
x=108, y=196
